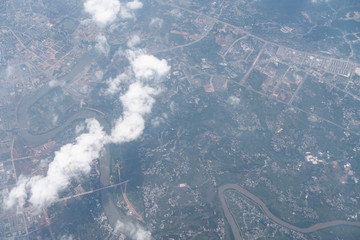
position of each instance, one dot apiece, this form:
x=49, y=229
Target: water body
x=30, y=99
x=111, y=211
x=236, y=231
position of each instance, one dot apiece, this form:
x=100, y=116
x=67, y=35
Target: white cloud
x=172, y=107
x=44, y=163
x=156, y=23
x=133, y=41
x=66, y=237
x=118, y=54
x=157, y=121
x=134, y=5
x=127, y=11
x=176, y=13
x=99, y=74
x=143, y=67
x=73, y=161
x=137, y=102
x=18, y=195
x=102, y=45
x=233, y=100
x=134, y=231
x=103, y=12
x=9, y=71
x=55, y=83
x=147, y=66
x=70, y=162
x=319, y=1
x=114, y=84
x=55, y=119
x=80, y=128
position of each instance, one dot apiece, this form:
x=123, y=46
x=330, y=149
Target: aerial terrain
x=179, y=119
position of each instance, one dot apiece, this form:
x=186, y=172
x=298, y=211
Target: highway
x=91, y=191
x=234, y=225
x=265, y=42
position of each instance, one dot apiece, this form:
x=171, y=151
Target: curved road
x=235, y=228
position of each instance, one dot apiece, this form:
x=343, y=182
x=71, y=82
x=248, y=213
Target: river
x=234, y=225
x=110, y=209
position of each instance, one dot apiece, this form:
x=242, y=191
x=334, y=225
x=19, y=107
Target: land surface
x=255, y=134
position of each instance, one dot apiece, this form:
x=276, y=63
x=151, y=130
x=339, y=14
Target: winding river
x=234, y=226
x=111, y=211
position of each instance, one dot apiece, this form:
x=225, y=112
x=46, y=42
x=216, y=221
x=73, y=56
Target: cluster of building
x=319, y=63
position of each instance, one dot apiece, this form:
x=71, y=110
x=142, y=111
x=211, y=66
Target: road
x=243, y=80
x=236, y=231
x=217, y=20
x=12, y=158
x=232, y=45
x=91, y=191
x=246, y=33
x=297, y=90
x=129, y=205
x=186, y=44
